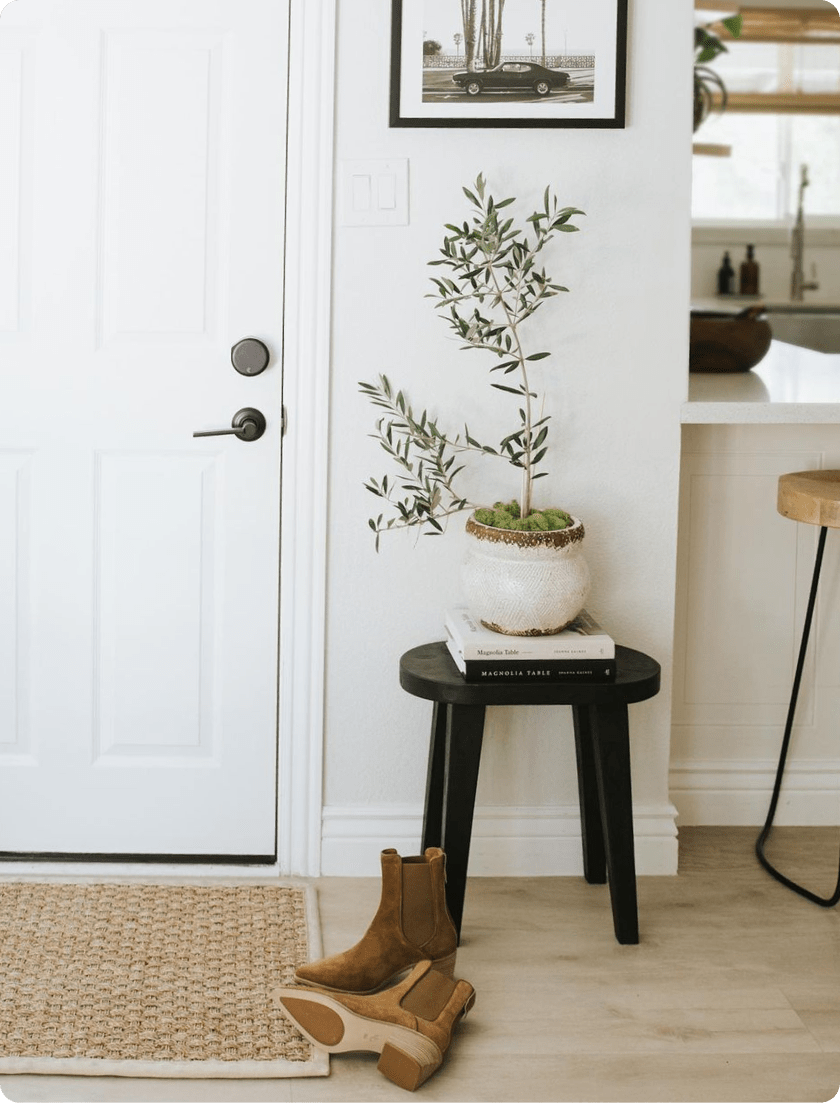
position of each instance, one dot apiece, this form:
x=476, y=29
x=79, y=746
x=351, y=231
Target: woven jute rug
x=153, y=978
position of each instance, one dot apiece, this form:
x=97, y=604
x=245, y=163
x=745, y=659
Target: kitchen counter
x=791, y=385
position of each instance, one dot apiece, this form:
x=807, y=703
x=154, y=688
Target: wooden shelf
x=709, y=149
x=784, y=103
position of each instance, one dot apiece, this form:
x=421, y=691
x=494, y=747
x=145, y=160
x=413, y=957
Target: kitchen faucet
x=797, y=248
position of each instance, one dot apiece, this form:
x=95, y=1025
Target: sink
x=806, y=327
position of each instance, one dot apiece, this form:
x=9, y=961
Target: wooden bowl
x=726, y=342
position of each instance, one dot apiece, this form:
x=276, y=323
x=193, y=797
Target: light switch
x=386, y=191
x=361, y=192
x=373, y=193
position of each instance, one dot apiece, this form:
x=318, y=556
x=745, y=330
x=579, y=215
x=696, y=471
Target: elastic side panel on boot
x=429, y=996
x=418, y=913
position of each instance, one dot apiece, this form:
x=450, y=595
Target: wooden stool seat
x=812, y=497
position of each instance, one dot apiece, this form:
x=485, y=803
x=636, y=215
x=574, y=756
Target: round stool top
x=429, y=671
x=812, y=497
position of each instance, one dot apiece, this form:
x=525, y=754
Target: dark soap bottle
x=726, y=277
x=749, y=273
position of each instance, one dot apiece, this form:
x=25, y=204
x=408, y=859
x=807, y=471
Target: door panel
x=15, y=600
x=145, y=580
x=11, y=82
x=143, y=164
x=160, y=184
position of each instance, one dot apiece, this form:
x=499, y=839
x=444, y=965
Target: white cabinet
x=742, y=585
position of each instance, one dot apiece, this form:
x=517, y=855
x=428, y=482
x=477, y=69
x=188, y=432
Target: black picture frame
x=593, y=93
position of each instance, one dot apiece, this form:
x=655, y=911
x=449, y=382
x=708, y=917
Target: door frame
x=306, y=310
x=306, y=376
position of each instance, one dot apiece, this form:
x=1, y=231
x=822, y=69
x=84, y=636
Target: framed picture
x=508, y=63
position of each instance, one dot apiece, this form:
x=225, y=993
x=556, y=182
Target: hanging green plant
x=707, y=82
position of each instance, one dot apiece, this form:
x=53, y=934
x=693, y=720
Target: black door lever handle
x=247, y=424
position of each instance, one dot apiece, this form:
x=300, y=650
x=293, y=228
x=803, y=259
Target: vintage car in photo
x=512, y=76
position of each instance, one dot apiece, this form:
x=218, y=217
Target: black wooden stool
x=603, y=765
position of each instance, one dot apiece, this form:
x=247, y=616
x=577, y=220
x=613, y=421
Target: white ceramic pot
x=525, y=583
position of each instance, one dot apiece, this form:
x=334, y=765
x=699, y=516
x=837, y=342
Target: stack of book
x=582, y=652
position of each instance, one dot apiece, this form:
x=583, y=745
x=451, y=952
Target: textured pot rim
x=557, y=538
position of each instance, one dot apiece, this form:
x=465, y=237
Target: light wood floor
x=733, y=993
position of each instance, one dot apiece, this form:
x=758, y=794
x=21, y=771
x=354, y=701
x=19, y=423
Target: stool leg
x=435, y=777
x=823, y=901
x=591, y=828
x=611, y=739
x=464, y=734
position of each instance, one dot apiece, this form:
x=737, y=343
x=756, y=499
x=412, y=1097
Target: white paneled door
x=141, y=237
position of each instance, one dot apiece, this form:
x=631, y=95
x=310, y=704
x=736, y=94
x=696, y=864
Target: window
x=783, y=112
x=760, y=178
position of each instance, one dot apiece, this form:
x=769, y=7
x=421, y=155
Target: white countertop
x=791, y=385
x=734, y=304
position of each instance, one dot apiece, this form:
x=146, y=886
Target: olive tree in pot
x=524, y=573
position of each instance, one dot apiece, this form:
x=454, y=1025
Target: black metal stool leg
x=823, y=901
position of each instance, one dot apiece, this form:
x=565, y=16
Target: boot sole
x=445, y=965
x=407, y=1057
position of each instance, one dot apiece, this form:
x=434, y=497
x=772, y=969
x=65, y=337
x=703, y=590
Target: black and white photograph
x=508, y=63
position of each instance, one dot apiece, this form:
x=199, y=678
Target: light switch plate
x=373, y=193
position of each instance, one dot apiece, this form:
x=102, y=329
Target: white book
x=584, y=638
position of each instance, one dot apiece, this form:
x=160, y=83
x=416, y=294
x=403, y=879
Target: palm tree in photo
x=482, y=32
x=529, y=38
x=543, y=33
x=491, y=31
x=468, y=18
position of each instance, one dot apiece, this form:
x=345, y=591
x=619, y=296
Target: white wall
x=619, y=376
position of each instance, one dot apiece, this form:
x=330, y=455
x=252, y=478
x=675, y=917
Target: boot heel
x=446, y=965
x=408, y=1070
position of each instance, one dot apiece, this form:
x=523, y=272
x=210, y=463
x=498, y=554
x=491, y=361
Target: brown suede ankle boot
x=411, y=924
x=410, y=1025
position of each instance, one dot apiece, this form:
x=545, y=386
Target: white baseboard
x=506, y=842
x=738, y=793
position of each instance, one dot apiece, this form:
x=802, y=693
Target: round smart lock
x=250, y=356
